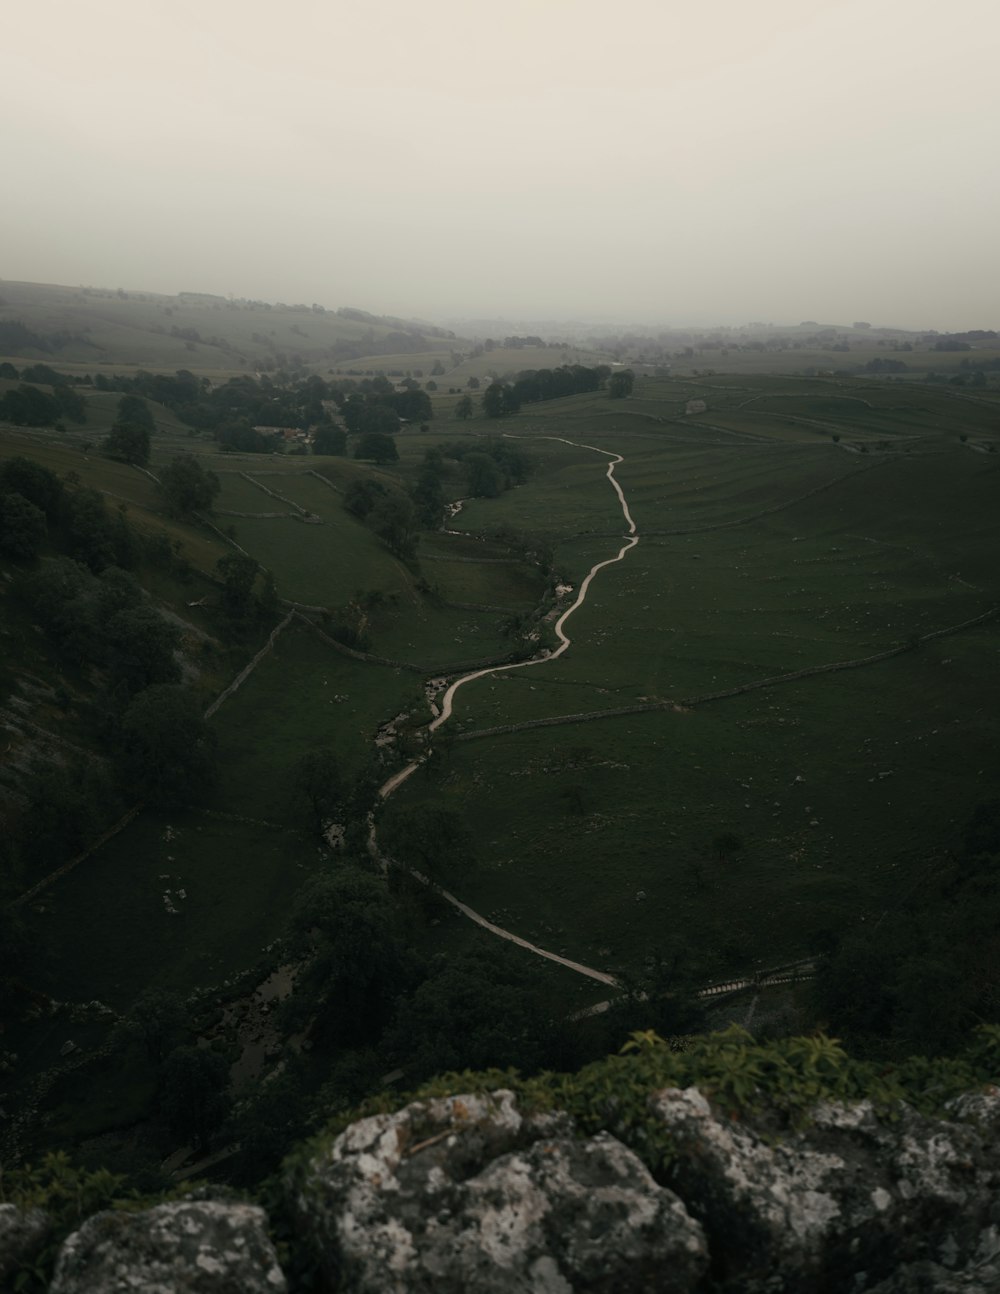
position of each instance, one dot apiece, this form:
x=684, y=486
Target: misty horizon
x=689, y=169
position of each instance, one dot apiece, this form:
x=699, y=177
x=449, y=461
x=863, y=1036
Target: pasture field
x=505, y=362
x=113, y=933
x=804, y=363
x=758, y=556
x=833, y=557
x=119, y=482
x=595, y=839
x=304, y=695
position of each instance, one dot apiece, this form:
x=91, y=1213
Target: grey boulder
x=187, y=1247
x=466, y=1193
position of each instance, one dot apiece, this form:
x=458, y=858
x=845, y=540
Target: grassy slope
x=855, y=569
x=136, y=331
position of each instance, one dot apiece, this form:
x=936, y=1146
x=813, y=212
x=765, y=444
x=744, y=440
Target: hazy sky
x=784, y=160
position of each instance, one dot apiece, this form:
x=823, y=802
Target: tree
x=139, y=646
x=620, y=384
x=22, y=527
x=380, y=418
x=485, y=478
x=377, y=446
x=128, y=442
x=154, y=1021
x=193, y=1093
x=237, y=572
x=166, y=749
x=319, y=780
x=474, y=1011
x=28, y=407
x=238, y=437
x=345, y=922
x=96, y=536
x=438, y=369
x=36, y=483
x=362, y=494
x=436, y=841
x=134, y=410
x=185, y=486
x=499, y=399
x=328, y=439
x=463, y=407
x=395, y=522
x=428, y=492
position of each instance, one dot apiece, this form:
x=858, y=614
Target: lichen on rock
x=185, y=1247
x=467, y=1193
x=853, y=1195
x=22, y=1232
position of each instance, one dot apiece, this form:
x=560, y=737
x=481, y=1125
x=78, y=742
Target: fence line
x=247, y=670
x=73, y=862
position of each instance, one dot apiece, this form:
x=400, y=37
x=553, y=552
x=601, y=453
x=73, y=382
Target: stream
x=447, y=708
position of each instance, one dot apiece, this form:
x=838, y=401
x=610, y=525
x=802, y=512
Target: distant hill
x=96, y=328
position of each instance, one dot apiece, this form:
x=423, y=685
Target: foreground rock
x=852, y=1201
x=473, y=1194
x=467, y=1194
x=189, y=1247
x=21, y=1235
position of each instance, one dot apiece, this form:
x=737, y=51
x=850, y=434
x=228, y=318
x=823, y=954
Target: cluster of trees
x=36, y=505
x=974, y=377
x=186, y=486
x=248, y=594
x=500, y=399
x=553, y=383
x=364, y=987
x=925, y=974
x=129, y=438
x=234, y=411
x=387, y=511
x=533, y=385
x=28, y=406
x=16, y=336
x=489, y=465
x=104, y=633
x=382, y=407
x=105, y=621
x=620, y=384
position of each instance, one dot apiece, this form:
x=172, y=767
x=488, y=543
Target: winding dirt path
x=447, y=708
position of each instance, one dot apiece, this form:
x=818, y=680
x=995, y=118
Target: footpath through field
x=448, y=701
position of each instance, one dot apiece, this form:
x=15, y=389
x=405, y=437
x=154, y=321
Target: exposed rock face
x=189, y=1247
x=20, y=1235
x=849, y=1201
x=467, y=1194
x=471, y=1195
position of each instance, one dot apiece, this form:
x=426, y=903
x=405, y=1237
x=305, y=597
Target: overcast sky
x=726, y=161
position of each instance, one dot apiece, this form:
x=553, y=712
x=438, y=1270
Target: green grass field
x=761, y=552
x=574, y=821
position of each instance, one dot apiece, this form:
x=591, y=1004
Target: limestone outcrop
x=186, y=1247
x=489, y=1193
x=467, y=1193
